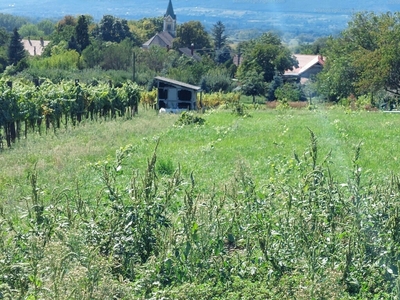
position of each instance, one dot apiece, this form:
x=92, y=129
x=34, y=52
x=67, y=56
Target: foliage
x=9, y=22
x=65, y=60
x=216, y=80
x=145, y=28
x=365, y=57
x=192, y=32
x=16, y=50
x=266, y=55
x=82, y=33
x=288, y=91
x=317, y=47
x=222, y=55
x=189, y=118
x=216, y=99
x=111, y=29
x=117, y=56
x=47, y=26
x=253, y=84
x=30, y=31
x=149, y=98
x=218, y=35
x=67, y=101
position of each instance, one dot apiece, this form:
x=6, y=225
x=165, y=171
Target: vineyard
x=31, y=106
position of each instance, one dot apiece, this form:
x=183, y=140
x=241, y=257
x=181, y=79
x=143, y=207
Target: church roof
x=170, y=11
x=162, y=39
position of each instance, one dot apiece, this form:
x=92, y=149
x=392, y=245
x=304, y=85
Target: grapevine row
x=26, y=105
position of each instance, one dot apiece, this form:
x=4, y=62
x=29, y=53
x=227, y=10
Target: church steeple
x=170, y=11
x=170, y=20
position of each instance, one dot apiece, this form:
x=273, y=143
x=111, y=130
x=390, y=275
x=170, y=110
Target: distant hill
x=286, y=15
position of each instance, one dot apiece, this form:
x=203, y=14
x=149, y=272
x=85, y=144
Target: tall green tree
x=192, y=32
x=113, y=29
x=267, y=55
x=218, y=35
x=82, y=33
x=16, y=51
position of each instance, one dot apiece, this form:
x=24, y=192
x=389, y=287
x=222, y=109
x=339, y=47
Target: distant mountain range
x=287, y=15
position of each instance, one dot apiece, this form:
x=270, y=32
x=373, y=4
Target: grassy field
x=277, y=204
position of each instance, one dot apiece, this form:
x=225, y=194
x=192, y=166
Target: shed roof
x=178, y=83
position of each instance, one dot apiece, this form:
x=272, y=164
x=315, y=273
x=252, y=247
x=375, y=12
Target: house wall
x=312, y=71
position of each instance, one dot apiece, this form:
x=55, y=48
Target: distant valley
x=289, y=16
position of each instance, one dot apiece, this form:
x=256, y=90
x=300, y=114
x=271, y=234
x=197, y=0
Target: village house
x=34, y=47
x=309, y=66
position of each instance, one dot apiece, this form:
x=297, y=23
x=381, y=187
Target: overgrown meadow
x=266, y=204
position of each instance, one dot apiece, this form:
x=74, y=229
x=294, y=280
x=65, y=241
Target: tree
x=364, y=59
x=189, y=33
x=4, y=38
x=218, y=34
x=253, y=84
x=145, y=28
x=82, y=33
x=30, y=30
x=16, y=51
x=112, y=29
x=222, y=55
x=288, y=92
x=47, y=26
x=266, y=55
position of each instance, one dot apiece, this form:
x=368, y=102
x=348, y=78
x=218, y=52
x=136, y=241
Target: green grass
x=254, y=210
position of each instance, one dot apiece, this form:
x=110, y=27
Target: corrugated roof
x=179, y=83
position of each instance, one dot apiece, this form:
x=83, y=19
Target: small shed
x=176, y=96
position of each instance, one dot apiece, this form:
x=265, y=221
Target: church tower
x=170, y=20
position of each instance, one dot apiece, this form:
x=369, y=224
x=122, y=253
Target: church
x=165, y=38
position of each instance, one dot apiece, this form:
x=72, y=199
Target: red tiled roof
x=305, y=63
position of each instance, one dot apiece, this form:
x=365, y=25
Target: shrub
x=187, y=118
